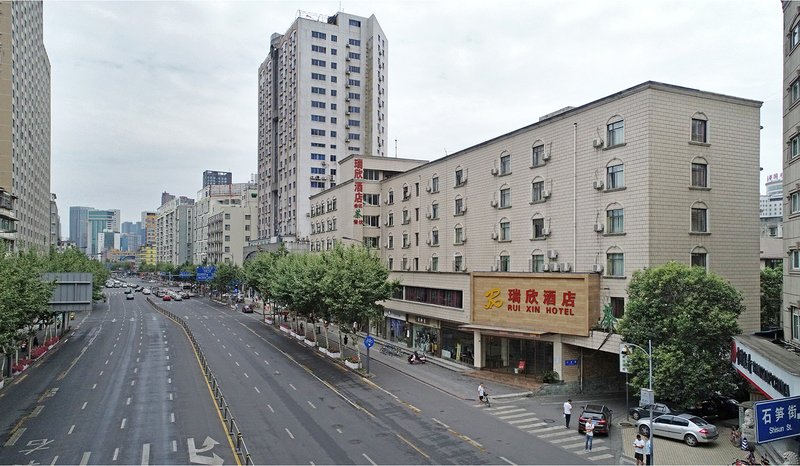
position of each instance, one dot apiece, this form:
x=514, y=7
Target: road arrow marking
x=208, y=444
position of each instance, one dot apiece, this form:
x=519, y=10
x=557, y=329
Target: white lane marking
x=167, y=358
x=94, y=386
x=339, y=430
x=293, y=387
x=132, y=382
x=237, y=363
x=266, y=362
x=169, y=367
x=171, y=417
x=107, y=361
x=139, y=352
x=84, y=405
x=54, y=460
x=311, y=404
x=145, y=454
x=245, y=374
x=270, y=408
x=174, y=446
x=290, y=433
x=369, y=459
x=137, y=359
x=230, y=355
x=440, y=423
x=507, y=461
x=110, y=354
x=128, y=401
x=256, y=353
x=101, y=373
x=124, y=420
x=11, y=441
x=85, y=458
x=170, y=397
x=169, y=379
x=135, y=370
x=71, y=429
x=223, y=347
x=116, y=453
x=257, y=390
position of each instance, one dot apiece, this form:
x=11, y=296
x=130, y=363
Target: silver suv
x=687, y=427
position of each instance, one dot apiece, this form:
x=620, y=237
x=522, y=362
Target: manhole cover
x=549, y=421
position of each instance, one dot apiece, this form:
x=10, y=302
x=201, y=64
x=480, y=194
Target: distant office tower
x=99, y=222
x=25, y=122
x=149, y=225
x=321, y=97
x=78, y=224
x=772, y=207
x=211, y=177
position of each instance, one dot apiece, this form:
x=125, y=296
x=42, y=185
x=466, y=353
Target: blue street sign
x=369, y=341
x=571, y=362
x=777, y=419
x=185, y=274
x=206, y=274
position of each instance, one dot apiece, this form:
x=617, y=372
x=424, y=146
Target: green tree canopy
x=771, y=295
x=690, y=315
x=226, y=277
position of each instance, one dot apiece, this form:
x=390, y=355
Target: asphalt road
x=297, y=406
x=124, y=387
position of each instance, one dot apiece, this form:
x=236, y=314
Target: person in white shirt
x=638, y=450
x=567, y=411
x=589, y=428
x=481, y=391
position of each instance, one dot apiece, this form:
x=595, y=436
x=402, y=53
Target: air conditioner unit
x=386, y=224
x=316, y=177
x=494, y=236
x=308, y=214
x=347, y=86
x=428, y=189
x=597, y=268
x=598, y=227
x=464, y=210
x=494, y=171
x=545, y=232
x=386, y=245
x=597, y=143
x=324, y=163
x=348, y=46
x=552, y=254
x=347, y=113
x=428, y=242
x=554, y=267
x=597, y=184
x=495, y=268
x=332, y=177
x=546, y=193
x=494, y=203
x=546, y=268
x=346, y=140
x=347, y=99
x=546, y=157
x=566, y=267
x=386, y=201
x=428, y=215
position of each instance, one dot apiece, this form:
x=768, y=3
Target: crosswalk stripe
x=508, y=411
x=601, y=457
x=498, y=408
x=594, y=449
x=573, y=446
x=558, y=434
x=546, y=429
x=528, y=426
x=562, y=440
x=519, y=421
x=512, y=416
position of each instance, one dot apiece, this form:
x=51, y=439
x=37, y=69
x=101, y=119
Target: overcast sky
x=147, y=95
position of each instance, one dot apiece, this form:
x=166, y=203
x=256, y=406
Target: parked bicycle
x=391, y=350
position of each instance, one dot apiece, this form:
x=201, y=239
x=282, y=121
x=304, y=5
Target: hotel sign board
x=536, y=302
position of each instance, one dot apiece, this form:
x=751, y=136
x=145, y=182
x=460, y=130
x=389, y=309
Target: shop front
x=424, y=334
x=457, y=344
x=517, y=319
x=394, y=327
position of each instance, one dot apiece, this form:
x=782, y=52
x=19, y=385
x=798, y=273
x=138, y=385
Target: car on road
x=146, y=291
x=128, y=291
x=129, y=296
x=247, y=308
x=176, y=297
x=166, y=297
x=687, y=427
x=599, y=414
x=639, y=412
x=184, y=295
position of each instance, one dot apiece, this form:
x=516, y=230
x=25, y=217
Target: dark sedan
x=600, y=415
x=639, y=412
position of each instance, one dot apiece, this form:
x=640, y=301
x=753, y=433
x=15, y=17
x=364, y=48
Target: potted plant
x=352, y=362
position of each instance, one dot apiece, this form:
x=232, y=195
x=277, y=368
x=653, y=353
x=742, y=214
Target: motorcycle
x=416, y=358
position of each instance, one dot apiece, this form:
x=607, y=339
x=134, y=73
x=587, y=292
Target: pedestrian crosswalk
x=568, y=439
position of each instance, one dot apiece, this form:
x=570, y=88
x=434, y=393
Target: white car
x=146, y=291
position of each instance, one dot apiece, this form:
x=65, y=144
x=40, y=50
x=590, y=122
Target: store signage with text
x=358, y=191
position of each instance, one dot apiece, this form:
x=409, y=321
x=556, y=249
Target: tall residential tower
x=322, y=94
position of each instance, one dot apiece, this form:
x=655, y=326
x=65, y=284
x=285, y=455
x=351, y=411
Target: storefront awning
x=502, y=331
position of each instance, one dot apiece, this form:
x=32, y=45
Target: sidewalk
x=670, y=451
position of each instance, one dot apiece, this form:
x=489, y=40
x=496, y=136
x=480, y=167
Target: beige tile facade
x=509, y=221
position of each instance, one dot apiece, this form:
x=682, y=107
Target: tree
x=771, y=296
x=72, y=260
x=226, y=278
x=690, y=316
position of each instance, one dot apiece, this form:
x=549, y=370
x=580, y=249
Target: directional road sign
x=369, y=341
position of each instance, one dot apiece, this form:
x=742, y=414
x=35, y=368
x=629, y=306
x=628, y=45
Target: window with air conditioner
x=615, y=133
x=435, y=184
x=434, y=264
x=458, y=235
x=537, y=191
x=406, y=241
x=505, y=197
x=390, y=219
x=390, y=198
x=434, y=237
x=434, y=211
x=390, y=242
x=537, y=155
x=459, y=206
x=615, y=220
x=460, y=177
x=537, y=262
x=615, y=264
x=458, y=263
x=794, y=259
x=505, y=164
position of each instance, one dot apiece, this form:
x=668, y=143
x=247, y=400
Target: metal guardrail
x=222, y=406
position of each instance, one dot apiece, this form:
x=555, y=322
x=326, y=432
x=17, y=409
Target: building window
x=795, y=203
x=795, y=259
x=390, y=242
x=317, y=104
x=699, y=220
x=318, y=90
x=459, y=206
x=320, y=118
x=458, y=263
x=505, y=164
x=537, y=191
x=406, y=241
x=538, y=155
x=318, y=76
x=390, y=199
x=317, y=132
x=372, y=199
x=318, y=35
x=434, y=211
x=460, y=177
x=699, y=259
x=616, y=264
x=795, y=91
x=794, y=145
x=617, y=306
x=794, y=36
x=435, y=184
x=505, y=230
x=355, y=23
x=355, y=42
x=616, y=133
x=615, y=220
x=795, y=323
x=538, y=228
x=372, y=220
x=615, y=176
x=505, y=263
x=318, y=48
x=434, y=237
x=406, y=217
x=434, y=264
x=699, y=130
x=458, y=235
x=505, y=197
x=699, y=175
x=537, y=262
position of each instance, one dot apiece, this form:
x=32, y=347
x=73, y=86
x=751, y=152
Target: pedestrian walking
x=638, y=450
x=648, y=451
x=589, y=435
x=567, y=411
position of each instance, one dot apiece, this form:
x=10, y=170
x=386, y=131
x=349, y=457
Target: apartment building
x=25, y=124
x=508, y=250
x=231, y=227
x=322, y=94
x=211, y=177
x=771, y=208
x=149, y=225
x=174, y=230
x=8, y=232
x=210, y=200
x=55, y=221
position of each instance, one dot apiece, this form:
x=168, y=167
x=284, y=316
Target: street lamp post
x=649, y=353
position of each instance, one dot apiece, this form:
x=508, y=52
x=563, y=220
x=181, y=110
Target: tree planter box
x=269, y=320
x=310, y=342
x=334, y=354
x=286, y=329
x=352, y=365
x=299, y=336
x=323, y=350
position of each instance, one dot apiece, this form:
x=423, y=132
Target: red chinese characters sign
x=358, y=191
x=542, y=303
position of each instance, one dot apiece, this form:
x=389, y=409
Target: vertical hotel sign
x=358, y=191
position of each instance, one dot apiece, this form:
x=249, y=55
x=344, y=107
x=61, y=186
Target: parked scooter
x=416, y=358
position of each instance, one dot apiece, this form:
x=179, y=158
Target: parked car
x=146, y=291
x=599, y=414
x=687, y=427
x=717, y=407
x=247, y=308
x=166, y=297
x=639, y=412
x=129, y=296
